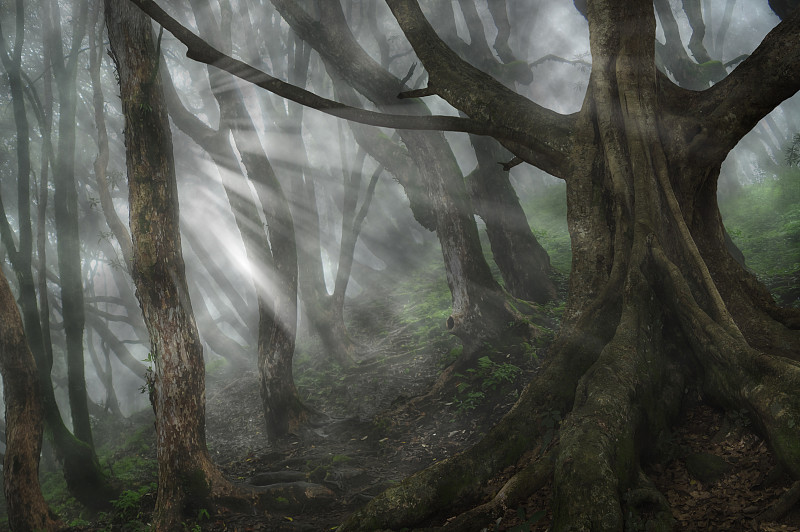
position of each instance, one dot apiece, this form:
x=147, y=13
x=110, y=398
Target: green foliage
x=128, y=506
x=764, y=222
x=547, y=213
x=494, y=374
x=488, y=375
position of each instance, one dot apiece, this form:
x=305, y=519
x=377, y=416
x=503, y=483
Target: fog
x=314, y=156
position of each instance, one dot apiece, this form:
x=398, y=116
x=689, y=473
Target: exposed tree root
x=737, y=376
x=458, y=481
x=530, y=479
x=782, y=506
x=620, y=392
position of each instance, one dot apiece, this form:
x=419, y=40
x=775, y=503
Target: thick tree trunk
x=27, y=509
x=648, y=315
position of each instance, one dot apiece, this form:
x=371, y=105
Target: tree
x=65, y=69
x=656, y=301
x=186, y=473
x=85, y=479
x=27, y=509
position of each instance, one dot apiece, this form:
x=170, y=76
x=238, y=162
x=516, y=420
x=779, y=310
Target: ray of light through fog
x=551, y=28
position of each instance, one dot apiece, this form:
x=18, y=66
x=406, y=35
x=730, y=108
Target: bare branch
x=761, y=82
x=546, y=133
x=199, y=50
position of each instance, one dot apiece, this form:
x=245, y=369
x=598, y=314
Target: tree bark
x=186, y=474
x=27, y=509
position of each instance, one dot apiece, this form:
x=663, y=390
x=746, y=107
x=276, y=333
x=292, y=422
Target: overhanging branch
x=758, y=85
x=199, y=50
x=547, y=134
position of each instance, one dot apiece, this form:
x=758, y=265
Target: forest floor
x=718, y=475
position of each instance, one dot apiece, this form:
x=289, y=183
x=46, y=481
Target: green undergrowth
x=498, y=370
x=487, y=376
x=763, y=219
x=547, y=215
x=126, y=451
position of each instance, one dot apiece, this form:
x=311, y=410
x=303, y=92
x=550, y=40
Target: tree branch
x=479, y=95
x=760, y=83
x=199, y=50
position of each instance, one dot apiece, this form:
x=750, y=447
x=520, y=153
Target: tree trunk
x=186, y=474
x=648, y=313
x=65, y=203
x=85, y=479
x=523, y=262
x=27, y=509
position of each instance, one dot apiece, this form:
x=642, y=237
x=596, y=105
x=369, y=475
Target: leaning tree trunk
x=522, y=261
x=648, y=312
x=27, y=509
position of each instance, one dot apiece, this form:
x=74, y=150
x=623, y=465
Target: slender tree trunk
x=65, y=203
x=186, y=473
x=27, y=509
x=188, y=480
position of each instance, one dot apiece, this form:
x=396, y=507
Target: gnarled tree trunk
x=656, y=301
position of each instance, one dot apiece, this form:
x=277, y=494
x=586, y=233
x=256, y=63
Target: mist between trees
x=592, y=208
